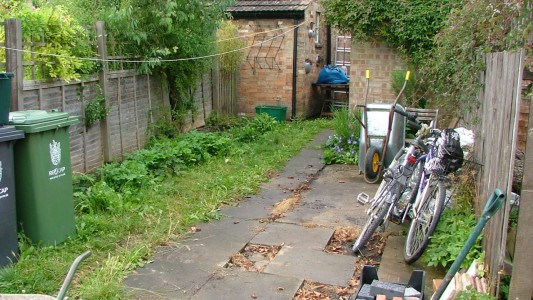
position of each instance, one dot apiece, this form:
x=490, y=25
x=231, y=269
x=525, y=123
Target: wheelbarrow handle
x=70, y=274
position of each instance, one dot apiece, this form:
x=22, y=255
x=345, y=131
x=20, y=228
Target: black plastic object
x=370, y=273
x=8, y=211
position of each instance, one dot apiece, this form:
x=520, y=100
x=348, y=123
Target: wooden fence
x=134, y=101
x=496, y=141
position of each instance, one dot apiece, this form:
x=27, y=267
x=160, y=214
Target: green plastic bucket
x=277, y=112
x=5, y=97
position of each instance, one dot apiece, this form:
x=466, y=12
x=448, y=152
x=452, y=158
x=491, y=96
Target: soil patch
x=254, y=257
x=341, y=243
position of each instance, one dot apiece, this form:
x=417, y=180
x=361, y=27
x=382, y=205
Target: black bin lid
x=9, y=133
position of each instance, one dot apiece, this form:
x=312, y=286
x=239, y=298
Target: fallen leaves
x=316, y=291
x=342, y=236
x=254, y=257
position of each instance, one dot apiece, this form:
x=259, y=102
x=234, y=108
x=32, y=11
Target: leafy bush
x=343, y=146
x=254, y=128
x=339, y=150
x=471, y=294
x=451, y=234
x=119, y=184
x=64, y=39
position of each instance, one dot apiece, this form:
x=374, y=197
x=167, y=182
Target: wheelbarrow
x=62, y=292
x=382, y=134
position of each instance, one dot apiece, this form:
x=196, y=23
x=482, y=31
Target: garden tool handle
x=491, y=207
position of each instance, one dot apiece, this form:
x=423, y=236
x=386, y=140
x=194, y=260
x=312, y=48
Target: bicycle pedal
x=363, y=198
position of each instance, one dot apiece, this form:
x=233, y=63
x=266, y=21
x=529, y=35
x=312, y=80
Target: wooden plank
x=13, y=35
x=521, y=286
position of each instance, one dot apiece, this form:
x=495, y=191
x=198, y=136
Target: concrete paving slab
x=315, y=265
x=181, y=269
x=218, y=233
x=193, y=268
x=247, y=285
x=295, y=236
x=255, y=208
x=332, y=199
x=164, y=280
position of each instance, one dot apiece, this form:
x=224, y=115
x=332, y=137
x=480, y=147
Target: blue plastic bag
x=332, y=74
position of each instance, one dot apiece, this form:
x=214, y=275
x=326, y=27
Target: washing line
x=155, y=60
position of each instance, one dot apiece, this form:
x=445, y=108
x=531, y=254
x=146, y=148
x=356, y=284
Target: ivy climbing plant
x=441, y=39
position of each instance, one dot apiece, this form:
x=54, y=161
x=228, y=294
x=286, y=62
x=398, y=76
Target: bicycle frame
x=423, y=181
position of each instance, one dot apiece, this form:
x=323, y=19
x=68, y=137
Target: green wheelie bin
x=43, y=176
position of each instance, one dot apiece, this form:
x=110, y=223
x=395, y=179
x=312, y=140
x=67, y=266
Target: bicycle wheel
x=377, y=215
x=424, y=224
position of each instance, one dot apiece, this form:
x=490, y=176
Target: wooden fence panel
x=134, y=102
x=495, y=146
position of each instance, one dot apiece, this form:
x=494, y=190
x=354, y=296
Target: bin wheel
x=372, y=163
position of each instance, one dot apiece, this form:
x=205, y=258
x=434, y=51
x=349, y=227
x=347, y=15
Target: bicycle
x=398, y=183
x=444, y=156
x=411, y=189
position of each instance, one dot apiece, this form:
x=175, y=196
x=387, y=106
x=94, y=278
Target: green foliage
x=505, y=282
x=471, y=294
x=176, y=37
x=228, y=42
x=451, y=234
x=254, y=128
x=123, y=233
x=452, y=68
x=411, y=97
x=119, y=184
x=221, y=122
x=343, y=146
x=95, y=109
x=407, y=25
x=65, y=40
x=442, y=40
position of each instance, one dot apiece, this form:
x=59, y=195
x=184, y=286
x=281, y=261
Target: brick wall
x=381, y=60
x=266, y=75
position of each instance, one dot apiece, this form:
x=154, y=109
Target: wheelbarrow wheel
x=372, y=163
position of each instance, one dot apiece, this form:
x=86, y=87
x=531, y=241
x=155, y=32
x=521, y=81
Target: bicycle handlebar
x=411, y=118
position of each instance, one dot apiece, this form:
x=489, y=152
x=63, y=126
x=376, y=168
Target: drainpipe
x=294, y=69
x=328, y=45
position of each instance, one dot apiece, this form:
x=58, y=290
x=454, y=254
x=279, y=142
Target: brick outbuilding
x=282, y=38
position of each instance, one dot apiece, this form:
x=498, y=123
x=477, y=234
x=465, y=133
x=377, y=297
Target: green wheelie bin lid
x=31, y=121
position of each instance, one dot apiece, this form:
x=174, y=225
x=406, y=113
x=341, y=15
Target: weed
x=471, y=294
x=453, y=230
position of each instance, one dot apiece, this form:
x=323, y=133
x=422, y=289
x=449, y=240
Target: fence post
x=103, y=75
x=14, y=61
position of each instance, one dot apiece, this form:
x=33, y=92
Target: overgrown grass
x=162, y=210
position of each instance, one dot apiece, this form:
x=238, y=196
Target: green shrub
x=471, y=294
x=343, y=146
x=254, y=128
x=451, y=234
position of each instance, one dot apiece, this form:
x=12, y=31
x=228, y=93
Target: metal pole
x=294, y=69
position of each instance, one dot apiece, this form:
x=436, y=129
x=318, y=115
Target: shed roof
x=269, y=9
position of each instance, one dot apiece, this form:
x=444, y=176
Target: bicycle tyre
x=375, y=218
x=423, y=226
